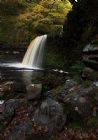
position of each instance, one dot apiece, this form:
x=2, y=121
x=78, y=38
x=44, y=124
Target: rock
x=1, y=108
x=9, y=107
x=12, y=89
x=9, y=110
x=68, y=85
x=89, y=74
x=90, y=56
x=50, y=116
x=79, y=99
x=34, y=91
x=18, y=87
x=90, y=48
x=6, y=87
x=25, y=120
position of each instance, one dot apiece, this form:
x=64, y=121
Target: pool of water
x=12, y=71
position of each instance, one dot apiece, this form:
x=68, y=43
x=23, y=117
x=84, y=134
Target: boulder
x=24, y=120
x=79, y=99
x=90, y=56
x=8, y=108
x=50, y=116
x=34, y=91
x=89, y=74
x=12, y=89
x=6, y=87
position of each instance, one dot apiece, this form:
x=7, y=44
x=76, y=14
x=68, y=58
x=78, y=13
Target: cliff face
x=81, y=25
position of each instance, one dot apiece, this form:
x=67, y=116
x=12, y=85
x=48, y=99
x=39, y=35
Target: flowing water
x=20, y=75
x=34, y=55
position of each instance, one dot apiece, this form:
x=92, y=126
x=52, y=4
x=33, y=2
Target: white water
x=34, y=55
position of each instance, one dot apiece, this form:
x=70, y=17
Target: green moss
x=92, y=122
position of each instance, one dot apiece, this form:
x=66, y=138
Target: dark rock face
x=90, y=56
x=22, y=118
x=79, y=99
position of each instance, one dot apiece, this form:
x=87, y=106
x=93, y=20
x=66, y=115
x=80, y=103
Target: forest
x=49, y=69
x=30, y=18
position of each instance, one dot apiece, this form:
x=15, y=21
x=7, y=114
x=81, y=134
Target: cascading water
x=34, y=55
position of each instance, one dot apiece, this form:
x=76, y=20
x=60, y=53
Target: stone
x=24, y=120
x=90, y=56
x=69, y=84
x=89, y=74
x=9, y=107
x=50, y=115
x=79, y=100
x=34, y=91
x=1, y=108
x=12, y=89
x=90, y=48
x=18, y=87
x=6, y=87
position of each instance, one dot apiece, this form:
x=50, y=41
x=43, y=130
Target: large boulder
x=50, y=116
x=79, y=99
x=34, y=91
x=24, y=119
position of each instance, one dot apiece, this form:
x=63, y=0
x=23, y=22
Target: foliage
x=22, y=20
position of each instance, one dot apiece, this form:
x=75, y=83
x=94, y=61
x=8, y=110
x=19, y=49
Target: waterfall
x=34, y=55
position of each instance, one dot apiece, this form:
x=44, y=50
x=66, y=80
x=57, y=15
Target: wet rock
x=50, y=116
x=18, y=87
x=9, y=107
x=23, y=120
x=1, y=108
x=90, y=56
x=34, y=91
x=79, y=99
x=12, y=89
x=69, y=84
x=6, y=87
x=90, y=48
x=89, y=74
x=9, y=110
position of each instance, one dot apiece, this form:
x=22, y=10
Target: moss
x=92, y=122
x=86, y=83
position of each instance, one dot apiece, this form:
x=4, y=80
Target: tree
x=29, y=18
